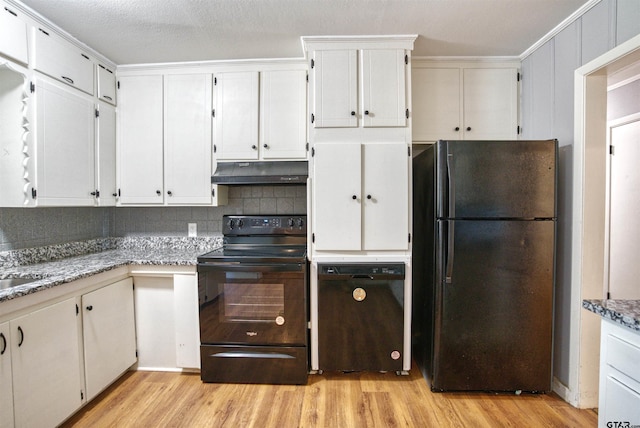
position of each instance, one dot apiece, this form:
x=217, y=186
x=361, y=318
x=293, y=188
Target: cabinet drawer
x=621, y=403
x=106, y=84
x=13, y=35
x=63, y=61
x=623, y=356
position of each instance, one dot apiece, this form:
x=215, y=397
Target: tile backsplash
x=33, y=227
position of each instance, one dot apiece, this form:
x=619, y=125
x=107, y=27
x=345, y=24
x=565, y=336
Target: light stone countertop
x=623, y=312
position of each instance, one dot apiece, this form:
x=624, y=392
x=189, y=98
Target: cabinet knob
x=366, y=112
x=90, y=307
x=354, y=197
x=114, y=194
x=158, y=192
x=457, y=128
x=266, y=146
x=254, y=147
x=353, y=113
x=169, y=192
x=468, y=128
x=368, y=196
x=92, y=193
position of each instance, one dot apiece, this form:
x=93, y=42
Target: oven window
x=252, y=302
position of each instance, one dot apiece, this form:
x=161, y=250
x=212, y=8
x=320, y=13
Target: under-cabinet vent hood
x=285, y=172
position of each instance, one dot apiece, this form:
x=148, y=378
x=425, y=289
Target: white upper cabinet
x=65, y=133
x=357, y=207
x=140, y=146
x=106, y=187
x=106, y=84
x=13, y=34
x=63, y=61
x=381, y=76
x=187, y=139
x=464, y=103
x=236, y=115
x=283, y=125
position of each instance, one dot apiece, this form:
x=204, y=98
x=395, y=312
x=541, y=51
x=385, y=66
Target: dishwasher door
x=360, y=316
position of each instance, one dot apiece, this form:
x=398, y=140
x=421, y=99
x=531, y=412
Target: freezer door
x=496, y=179
x=493, y=305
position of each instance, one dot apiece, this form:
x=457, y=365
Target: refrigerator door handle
x=450, y=252
x=451, y=173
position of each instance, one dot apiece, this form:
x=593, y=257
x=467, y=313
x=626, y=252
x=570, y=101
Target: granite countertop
x=60, y=264
x=623, y=312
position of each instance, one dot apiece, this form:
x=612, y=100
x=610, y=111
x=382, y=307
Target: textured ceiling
x=151, y=31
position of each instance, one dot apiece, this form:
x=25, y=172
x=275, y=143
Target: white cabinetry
x=619, y=396
x=356, y=205
x=236, y=115
x=185, y=307
x=63, y=61
x=6, y=382
x=13, y=34
x=165, y=120
x=106, y=188
x=45, y=355
x=106, y=84
x=140, y=138
x=65, y=146
x=464, y=103
x=109, y=334
x=283, y=106
x=382, y=88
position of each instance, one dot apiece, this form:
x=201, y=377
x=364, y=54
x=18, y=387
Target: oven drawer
x=254, y=364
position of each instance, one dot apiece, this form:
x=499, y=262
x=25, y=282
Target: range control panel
x=264, y=225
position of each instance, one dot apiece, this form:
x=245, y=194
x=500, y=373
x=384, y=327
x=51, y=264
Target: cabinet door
x=109, y=334
x=383, y=88
x=45, y=353
x=65, y=146
x=6, y=383
x=236, y=115
x=187, y=139
x=283, y=102
x=335, y=92
x=385, y=196
x=337, y=196
x=436, y=100
x=106, y=159
x=13, y=35
x=185, y=292
x=140, y=138
x=490, y=103
x=106, y=84
x=63, y=61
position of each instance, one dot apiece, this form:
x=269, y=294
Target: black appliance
x=361, y=316
x=483, y=264
x=252, y=294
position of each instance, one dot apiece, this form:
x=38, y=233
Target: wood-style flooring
x=161, y=399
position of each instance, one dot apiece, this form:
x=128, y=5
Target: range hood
x=277, y=172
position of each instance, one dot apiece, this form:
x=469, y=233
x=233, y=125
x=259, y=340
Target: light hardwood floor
x=159, y=399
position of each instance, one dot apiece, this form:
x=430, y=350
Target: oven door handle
x=249, y=267
x=261, y=355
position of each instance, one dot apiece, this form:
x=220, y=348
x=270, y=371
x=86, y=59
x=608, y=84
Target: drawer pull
x=4, y=344
x=68, y=79
x=21, y=336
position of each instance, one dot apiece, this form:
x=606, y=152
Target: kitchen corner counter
x=623, y=312
x=60, y=264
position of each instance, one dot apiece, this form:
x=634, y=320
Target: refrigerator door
x=496, y=179
x=493, y=305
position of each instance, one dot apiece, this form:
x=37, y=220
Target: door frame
x=590, y=219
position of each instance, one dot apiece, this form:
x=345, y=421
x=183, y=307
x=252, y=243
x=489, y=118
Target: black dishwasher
x=360, y=316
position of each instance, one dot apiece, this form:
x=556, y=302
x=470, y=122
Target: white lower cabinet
x=619, y=400
x=45, y=358
x=109, y=334
x=6, y=383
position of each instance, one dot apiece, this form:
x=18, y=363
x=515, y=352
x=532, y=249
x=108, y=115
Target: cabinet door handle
x=14, y=14
x=169, y=192
x=68, y=79
x=254, y=147
x=4, y=343
x=90, y=307
x=107, y=97
x=368, y=196
x=158, y=192
x=21, y=336
x=366, y=112
x=457, y=128
x=468, y=128
x=353, y=113
x=354, y=197
x=266, y=146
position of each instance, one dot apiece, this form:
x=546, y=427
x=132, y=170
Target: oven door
x=252, y=304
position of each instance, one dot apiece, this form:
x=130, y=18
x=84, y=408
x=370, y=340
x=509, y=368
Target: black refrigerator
x=484, y=264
